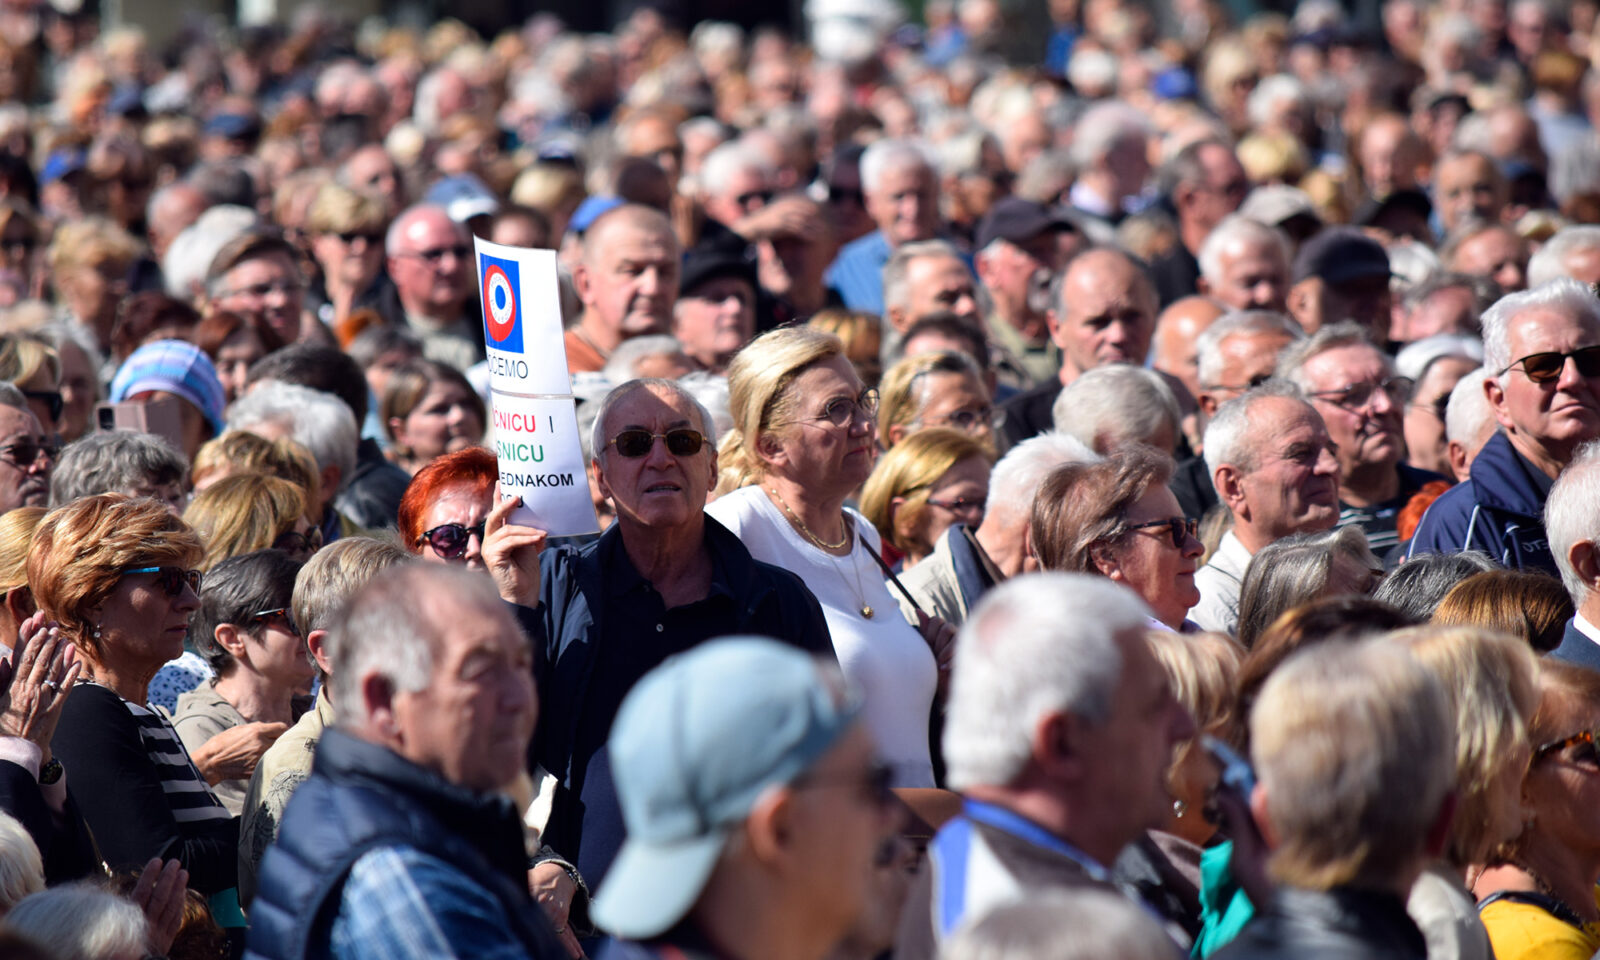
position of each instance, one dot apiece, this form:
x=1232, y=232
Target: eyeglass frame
x=51, y=449
x=866, y=402
x=1569, y=355
x=287, y=613
x=1181, y=529
x=1372, y=388
x=469, y=529
x=1590, y=737
x=195, y=579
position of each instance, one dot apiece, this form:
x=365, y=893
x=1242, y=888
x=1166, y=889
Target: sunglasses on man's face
x=172, y=579
x=24, y=452
x=449, y=540
x=681, y=442
x=1547, y=367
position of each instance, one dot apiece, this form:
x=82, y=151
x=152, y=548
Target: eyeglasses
x=24, y=244
x=260, y=291
x=172, y=579
x=959, y=504
x=1254, y=382
x=52, y=400
x=281, y=614
x=745, y=200
x=873, y=782
x=681, y=442
x=449, y=540
x=1587, y=739
x=841, y=411
x=1547, y=367
x=436, y=255
x=1438, y=407
x=1181, y=528
x=1358, y=395
x=23, y=453
x=354, y=235
x=968, y=421
x=299, y=544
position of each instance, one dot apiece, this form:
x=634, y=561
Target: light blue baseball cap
x=695, y=743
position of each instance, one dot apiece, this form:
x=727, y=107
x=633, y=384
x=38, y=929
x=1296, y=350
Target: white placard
x=522, y=327
x=541, y=460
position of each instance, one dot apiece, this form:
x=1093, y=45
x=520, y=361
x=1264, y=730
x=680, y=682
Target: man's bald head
x=1177, y=329
x=628, y=218
x=628, y=275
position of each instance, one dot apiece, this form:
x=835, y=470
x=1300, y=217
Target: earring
x=1179, y=808
x=97, y=631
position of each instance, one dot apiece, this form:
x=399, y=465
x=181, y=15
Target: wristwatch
x=50, y=772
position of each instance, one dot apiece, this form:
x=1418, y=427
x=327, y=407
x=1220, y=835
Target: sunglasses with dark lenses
x=172, y=579
x=1587, y=742
x=1179, y=527
x=744, y=200
x=354, y=235
x=297, y=543
x=1358, y=395
x=681, y=442
x=449, y=540
x=1547, y=367
x=24, y=452
x=51, y=399
x=283, y=615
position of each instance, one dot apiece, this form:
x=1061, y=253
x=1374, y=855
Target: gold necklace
x=861, y=592
x=801, y=526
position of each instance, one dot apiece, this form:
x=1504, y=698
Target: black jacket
x=66, y=846
x=362, y=797
x=372, y=497
x=1338, y=924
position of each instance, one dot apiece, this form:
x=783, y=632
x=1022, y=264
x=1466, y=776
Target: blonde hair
x=899, y=403
x=16, y=536
x=336, y=572
x=21, y=867
x=240, y=451
x=338, y=209
x=909, y=471
x=90, y=242
x=759, y=395
x=1203, y=672
x=244, y=513
x=859, y=331
x=1492, y=682
x=80, y=550
x=547, y=187
x=24, y=356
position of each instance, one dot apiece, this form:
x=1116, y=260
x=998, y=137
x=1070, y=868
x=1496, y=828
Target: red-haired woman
x=444, y=509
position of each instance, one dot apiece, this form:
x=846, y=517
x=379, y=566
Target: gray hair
x=1348, y=333
x=1576, y=170
x=1231, y=233
x=1015, y=480
x=1116, y=404
x=895, y=290
x=81, y=921
x=1417, y=586
x=1293, y=570
x=1550, y=263
x=1563, y=295
x=727, y=161
x=1241, y=323
x=1044, y=176
x=597, y=432
x=1228, y=436
x=334, y=574
x=1028, y=650
x=1414, y=359
x=114, y=461
x=1468, y=410
x=21, y=867
x=389, y=628
x=320, y=422
x=885, y=155
x=620, y=366
x=12, y=396
x=1101, y=128
x=961, y=153
x=1270, y=92
x=188, y=258
x=1102, y=924
x=1572, y=514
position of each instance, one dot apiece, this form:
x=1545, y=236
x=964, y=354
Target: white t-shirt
x=884, y=657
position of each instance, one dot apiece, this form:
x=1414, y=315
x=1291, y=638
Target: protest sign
x=532, y=416
x=522, y=327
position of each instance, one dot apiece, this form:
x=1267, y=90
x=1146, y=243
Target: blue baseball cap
x=591, y=210
x=176, y=367
x=695, y=743
x=63, y=163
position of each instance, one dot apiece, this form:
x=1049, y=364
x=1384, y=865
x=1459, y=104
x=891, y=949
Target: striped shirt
x=188, y=795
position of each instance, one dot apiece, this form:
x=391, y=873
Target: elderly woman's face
x=444, y=421
x=813, y=450
x=452, y=527
x=143, y=623
x=1148, y=560
x=956, y=497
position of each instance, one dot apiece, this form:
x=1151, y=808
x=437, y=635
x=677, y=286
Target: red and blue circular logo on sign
x=500, y=303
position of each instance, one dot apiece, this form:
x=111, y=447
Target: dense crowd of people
x=1125, y=489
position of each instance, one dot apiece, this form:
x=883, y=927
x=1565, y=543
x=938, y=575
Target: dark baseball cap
x=1341, y=255
x=1411, y=201
x=1017, y=220
x=724, y=256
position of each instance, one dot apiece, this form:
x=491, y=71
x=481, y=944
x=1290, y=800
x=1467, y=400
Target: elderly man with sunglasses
x=26, y=453
x=1542, y=350
x=663, y=579
x=1353, y=385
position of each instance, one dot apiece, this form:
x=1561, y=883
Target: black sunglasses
x=172, y=579
x=1181, y=528
x=745, y=199
x=283, y=614
x=299, y=544
x=24, y=452
x=1547, y=367
x=51, y=399
x=681, y=442
x=354, y=235
x=449, y=540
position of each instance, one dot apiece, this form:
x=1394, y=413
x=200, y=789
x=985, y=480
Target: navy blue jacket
x=362, y=797
x=1577, y=649
x=1498, y=511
